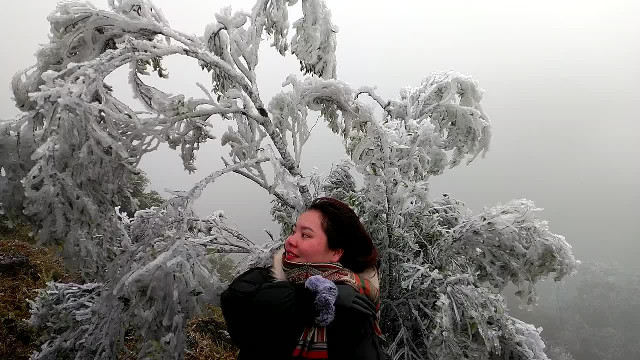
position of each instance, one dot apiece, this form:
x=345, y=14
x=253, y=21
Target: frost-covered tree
x=560, y=353
x=142, y=198
x=69, y=159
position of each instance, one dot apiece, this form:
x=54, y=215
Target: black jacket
x=265, y=318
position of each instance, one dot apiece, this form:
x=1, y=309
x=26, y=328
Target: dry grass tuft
x=24, y=268
x=207, y=337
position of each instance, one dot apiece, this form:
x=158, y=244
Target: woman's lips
x=290, y=255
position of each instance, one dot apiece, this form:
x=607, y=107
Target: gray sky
x=560, y=79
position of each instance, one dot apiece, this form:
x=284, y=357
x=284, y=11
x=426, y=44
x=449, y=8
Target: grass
x=33, y=266
x=207, y=336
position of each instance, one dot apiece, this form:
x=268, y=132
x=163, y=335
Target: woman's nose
x=290, y=241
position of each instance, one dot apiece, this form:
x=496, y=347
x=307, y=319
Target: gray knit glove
x=325, y=293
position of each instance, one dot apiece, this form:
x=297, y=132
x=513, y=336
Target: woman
x=320, y=299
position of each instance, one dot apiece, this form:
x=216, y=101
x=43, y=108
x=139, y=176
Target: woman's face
x=308, y=242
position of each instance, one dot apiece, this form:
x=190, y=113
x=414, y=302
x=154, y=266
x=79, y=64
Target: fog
x=561, y=81
x=561, y=87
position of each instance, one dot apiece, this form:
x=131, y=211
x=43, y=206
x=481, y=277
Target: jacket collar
x=277, y=270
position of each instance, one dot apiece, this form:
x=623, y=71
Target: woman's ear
x=337, y=254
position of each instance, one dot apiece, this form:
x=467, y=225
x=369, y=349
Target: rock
x=12, y=263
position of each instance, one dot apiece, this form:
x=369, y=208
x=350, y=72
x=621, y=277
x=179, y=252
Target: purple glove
x=325, y=293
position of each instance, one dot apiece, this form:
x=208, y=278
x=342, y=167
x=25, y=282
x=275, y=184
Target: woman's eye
x=306, y=235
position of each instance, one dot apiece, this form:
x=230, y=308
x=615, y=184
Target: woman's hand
x=349, y=298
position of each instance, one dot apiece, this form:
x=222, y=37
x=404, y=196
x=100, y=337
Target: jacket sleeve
x=262, y=312
x=351, y=333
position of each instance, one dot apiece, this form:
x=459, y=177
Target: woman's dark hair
x=344, y=231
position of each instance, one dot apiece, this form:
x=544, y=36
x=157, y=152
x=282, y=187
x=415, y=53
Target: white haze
x=561, y=81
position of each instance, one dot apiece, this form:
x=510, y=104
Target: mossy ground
x=208, y=338
x=24, y=268
x=35, y=266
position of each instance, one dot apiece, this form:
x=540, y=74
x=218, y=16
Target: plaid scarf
x=312, y=343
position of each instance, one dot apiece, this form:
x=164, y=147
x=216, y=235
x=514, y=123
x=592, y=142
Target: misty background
x=561, y=81
x=562, y=87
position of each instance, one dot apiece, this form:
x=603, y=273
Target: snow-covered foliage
x=507, y=243
x=64, y=312
x=68, y=160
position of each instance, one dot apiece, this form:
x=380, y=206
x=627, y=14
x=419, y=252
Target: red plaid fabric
x=312, y=343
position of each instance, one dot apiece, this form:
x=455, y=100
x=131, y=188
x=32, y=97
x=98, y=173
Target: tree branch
x=196, y=190
x=371, y=92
